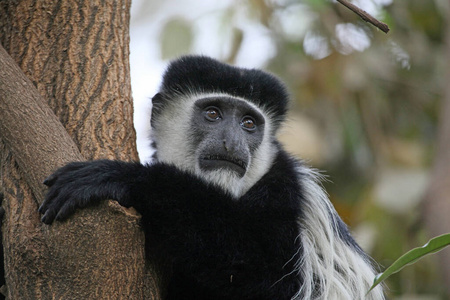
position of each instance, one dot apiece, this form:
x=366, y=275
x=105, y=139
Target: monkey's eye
x=212, y=114
x=248, y=123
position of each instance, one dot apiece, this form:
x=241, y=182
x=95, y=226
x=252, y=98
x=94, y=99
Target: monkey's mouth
x=217, y=162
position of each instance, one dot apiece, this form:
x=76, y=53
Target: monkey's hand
x=79, y=184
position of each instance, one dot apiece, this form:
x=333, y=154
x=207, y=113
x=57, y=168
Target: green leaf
x=434, y=245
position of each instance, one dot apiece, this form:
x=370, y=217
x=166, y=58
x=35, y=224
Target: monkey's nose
x=225, y=145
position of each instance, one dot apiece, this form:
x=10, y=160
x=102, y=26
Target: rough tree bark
x=76, y=55
x=437, y=199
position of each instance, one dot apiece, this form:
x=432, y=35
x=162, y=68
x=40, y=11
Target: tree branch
x=75, y=54
x=365, y=16
x=30, y=128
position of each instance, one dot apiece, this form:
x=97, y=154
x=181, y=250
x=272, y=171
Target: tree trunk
x=437, y=199
x=76, y=55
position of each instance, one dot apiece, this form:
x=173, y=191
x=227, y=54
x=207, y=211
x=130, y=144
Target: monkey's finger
x=50, y=199
x=44, y=207
x=51, y=207
x=50, y=180
x=66, y=210
x=49, y=216
x=41, y=208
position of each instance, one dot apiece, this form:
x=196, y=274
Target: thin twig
x=364, y=15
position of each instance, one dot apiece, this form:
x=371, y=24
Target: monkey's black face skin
x=227, y=131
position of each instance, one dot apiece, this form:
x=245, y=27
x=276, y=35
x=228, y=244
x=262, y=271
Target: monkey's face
x=223, y=139
x=226, y=132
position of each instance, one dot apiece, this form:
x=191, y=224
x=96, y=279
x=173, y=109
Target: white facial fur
x=172, y=133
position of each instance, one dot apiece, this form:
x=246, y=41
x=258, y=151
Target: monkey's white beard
x=228, y=180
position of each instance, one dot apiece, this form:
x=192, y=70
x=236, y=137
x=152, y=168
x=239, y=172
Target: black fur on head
x=200, y=74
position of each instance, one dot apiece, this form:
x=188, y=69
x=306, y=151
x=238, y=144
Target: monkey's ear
x=157, y=105
x=157, y=99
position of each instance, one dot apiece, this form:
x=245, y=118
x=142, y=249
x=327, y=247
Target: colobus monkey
x=238, y=216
